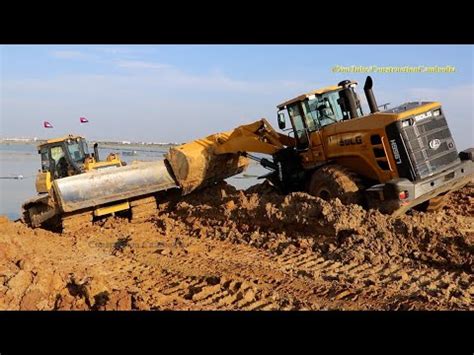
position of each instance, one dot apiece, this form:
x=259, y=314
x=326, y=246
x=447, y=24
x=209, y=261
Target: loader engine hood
x=420, y=140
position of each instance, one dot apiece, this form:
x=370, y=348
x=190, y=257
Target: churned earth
x=226, y=249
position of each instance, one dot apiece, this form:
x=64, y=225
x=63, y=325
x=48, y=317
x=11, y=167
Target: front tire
x=335, y=181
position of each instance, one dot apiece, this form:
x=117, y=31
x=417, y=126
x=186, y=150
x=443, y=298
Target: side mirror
x=281, y=120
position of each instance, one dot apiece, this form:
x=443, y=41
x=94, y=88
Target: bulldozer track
x=75, y=222
x=143, y=209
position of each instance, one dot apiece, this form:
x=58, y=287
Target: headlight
x=437, y=112
x=406, y=123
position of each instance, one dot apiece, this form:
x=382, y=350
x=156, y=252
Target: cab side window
x=311, y=116
x=299, y=126
x=57, y=153
x=336, y=108
x=45, y=163
x=60, y=162
x=323, y=109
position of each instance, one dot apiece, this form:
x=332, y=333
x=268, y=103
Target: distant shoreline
x=102, y=143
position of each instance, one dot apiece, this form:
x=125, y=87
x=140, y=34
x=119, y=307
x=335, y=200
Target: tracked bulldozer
x=393, y=160
x=75, y=186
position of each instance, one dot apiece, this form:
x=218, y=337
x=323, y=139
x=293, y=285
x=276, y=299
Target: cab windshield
x=322, y=110
x=77, y=149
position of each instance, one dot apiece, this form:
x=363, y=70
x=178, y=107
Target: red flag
x=46, y=124
x=83, y=120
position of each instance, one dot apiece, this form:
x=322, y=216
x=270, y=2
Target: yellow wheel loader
x=392, y=160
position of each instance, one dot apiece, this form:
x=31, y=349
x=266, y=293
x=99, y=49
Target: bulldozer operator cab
x=63, y=157
x=67, y=156
x=320, y=108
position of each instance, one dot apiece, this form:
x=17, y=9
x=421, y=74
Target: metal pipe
x=96, y=152
x=352, y=102
x=369, y=94
x=263, y=161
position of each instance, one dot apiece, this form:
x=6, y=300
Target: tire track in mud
x=296, y=279
x=201, y=281
x=443, y=283
x=197, y=259
x=387, y=280
x=182, y=281
x=304, y=276
x=293, y=280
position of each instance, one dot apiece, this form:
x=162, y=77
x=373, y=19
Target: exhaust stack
x=96, y=152
x=369, y=94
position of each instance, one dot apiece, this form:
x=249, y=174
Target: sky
x=175, y=93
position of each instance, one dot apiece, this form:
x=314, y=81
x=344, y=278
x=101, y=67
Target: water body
x=24, y=160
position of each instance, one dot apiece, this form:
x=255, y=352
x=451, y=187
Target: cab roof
x=60, y=139
x=314, y=92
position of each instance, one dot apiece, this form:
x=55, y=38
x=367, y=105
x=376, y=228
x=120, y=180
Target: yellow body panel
x=43, y=182
x=258, y=136
x=91, y=164
x=111, y=209
x=360, y=157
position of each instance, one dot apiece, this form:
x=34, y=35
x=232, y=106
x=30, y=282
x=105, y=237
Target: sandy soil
x=246, y=250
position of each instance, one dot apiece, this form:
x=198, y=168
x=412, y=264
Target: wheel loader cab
x=315, y=110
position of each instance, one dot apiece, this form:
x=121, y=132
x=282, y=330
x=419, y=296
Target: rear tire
x=335, y=181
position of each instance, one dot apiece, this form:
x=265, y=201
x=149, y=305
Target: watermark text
x=393, y=69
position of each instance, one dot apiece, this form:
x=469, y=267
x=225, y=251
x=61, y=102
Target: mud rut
x=225, y=249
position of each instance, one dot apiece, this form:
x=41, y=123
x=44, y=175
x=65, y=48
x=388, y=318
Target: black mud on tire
x=335, y=181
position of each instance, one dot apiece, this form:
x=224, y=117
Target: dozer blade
x=113, y=184
x=196, y=164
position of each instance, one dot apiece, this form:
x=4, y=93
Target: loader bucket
x=196, y=164
x=112, y=185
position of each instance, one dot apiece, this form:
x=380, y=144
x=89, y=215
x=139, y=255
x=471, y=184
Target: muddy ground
x=247, y=250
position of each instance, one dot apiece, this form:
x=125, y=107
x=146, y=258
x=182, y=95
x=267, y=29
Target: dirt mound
x=344, y=233
x=461, y=202
x=222, y=248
